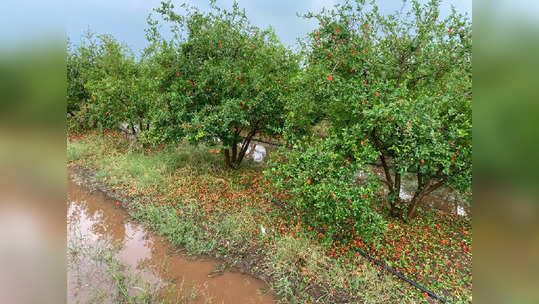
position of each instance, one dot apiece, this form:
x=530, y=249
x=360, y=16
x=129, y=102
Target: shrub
x=227, y=80
x=322, y=184
x=118, y=87
x=399, y=84
x=80, y=62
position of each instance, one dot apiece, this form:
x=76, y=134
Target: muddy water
x=97, y=217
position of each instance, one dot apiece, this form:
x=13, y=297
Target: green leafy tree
x=168, y=109
x=399, y=84
x=119, y=88
x=228, y=79
x=80, y=62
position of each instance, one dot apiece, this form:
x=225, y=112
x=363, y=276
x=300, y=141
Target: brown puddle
x=97, y=217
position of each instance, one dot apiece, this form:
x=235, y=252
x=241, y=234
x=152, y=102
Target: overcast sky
x=126, y=19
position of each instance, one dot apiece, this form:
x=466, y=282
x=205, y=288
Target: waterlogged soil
x=98, y=218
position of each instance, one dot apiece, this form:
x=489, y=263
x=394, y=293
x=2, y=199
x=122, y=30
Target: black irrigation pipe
x=374, y=260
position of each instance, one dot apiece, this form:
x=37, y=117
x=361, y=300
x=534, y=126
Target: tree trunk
x=234, y=152
x=421, y=192
x=227, y=158
x=394, y=199
x=418, y=197
x=245, y=145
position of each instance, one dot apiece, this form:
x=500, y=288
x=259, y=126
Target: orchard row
x=393, y=89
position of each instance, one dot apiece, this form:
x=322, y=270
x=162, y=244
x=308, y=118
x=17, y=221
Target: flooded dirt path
x=96, y=217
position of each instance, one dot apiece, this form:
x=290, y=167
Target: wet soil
x=98, y=217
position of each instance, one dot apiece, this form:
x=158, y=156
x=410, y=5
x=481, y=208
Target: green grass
x=120, y=161
x=77, y=150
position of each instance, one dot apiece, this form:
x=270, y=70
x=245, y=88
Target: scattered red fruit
x=377, y=94
x=330, y=78
x=239, y=77
x=117, y=204
x=422, y=161
x=309, y=181
x=367, y=27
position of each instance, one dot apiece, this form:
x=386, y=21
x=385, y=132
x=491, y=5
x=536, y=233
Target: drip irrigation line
x=374, y=260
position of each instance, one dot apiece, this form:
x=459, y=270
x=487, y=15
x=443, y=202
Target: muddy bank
x=94, y=213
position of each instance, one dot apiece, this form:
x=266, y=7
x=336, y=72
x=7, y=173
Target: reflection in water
x=97, y=218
